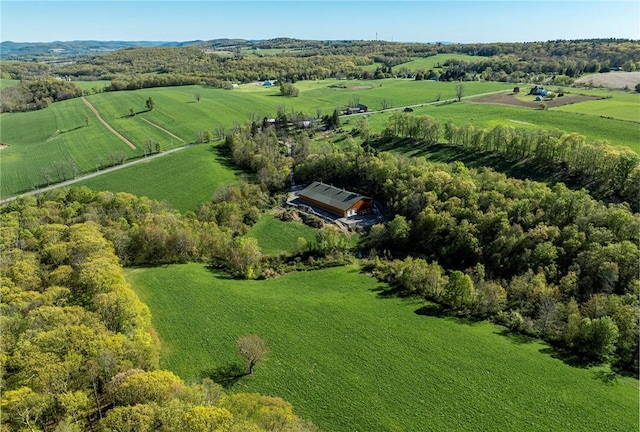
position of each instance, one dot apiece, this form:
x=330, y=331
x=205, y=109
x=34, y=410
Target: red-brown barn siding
x=362, y=205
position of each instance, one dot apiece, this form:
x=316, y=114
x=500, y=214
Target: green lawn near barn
x=276, y=237
x=350, y=358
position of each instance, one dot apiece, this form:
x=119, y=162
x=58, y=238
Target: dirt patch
x=359, y=87
x=511, y=99
x=521, y=122
x=618, y=80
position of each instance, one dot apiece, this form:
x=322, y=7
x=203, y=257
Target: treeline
x=307, y=60
x=36, y=94
x=78, y=349
x=521, y=233
x=609, y=172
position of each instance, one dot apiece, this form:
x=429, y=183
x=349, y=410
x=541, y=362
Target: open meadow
x=184, y=179
x=351, y=357
x=8, y=82
x=616, y=129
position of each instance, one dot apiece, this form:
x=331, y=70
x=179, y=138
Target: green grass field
x=426, y=63
x=593, y=127
x=8, y=82
x=39, y=140
x=350, y=359
x=34, y=149
x=184, y=179
x=621, y=106
x=95, y=86
x=276, y=237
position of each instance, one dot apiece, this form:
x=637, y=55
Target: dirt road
x=112, y=130
x=162, y=129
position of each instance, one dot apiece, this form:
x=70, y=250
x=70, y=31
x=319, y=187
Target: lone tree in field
x=150, y=104
x=459, y=91
x=251, y=348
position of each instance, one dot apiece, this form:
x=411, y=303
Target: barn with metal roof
x=338, y=201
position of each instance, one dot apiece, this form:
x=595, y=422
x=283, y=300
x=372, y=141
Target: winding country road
x=107, y=125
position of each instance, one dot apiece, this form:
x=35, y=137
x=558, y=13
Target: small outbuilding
x=340, y=202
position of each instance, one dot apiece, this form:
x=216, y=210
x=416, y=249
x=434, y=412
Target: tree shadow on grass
x=517, y=338
x=223, y=156
x=226, y=375
x=567, y=357
x=439, y=311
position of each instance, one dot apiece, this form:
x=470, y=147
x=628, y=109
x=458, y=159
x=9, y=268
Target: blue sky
x=412, y=21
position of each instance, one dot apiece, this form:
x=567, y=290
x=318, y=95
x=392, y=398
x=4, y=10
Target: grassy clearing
x=351, y=359
x=276, y=237
x=8, y=82
x=184, y=179
x=433, y=62
x=621, y=106
x=95, y=86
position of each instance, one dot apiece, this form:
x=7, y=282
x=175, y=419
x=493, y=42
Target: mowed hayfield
x=351, y=359
x=184, y=179
x=617, y=105
x=39, y=140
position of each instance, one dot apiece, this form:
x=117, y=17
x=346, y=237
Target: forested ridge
x=300, y=60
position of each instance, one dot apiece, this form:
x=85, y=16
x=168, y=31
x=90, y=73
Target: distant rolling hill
x=60, y=49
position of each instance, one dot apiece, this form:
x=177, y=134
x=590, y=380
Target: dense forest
x=608, y=172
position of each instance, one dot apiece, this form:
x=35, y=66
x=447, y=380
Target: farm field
x=32, y=150
x=593, y=127
x=92, y=85
x=349, y=358
x=612, y=79
x=184, y=179
x=621, y=106
x=426, y=63
x=275, y=236
x=61, y=135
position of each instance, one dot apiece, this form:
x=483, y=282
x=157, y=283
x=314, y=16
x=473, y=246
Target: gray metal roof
x=332, y=196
